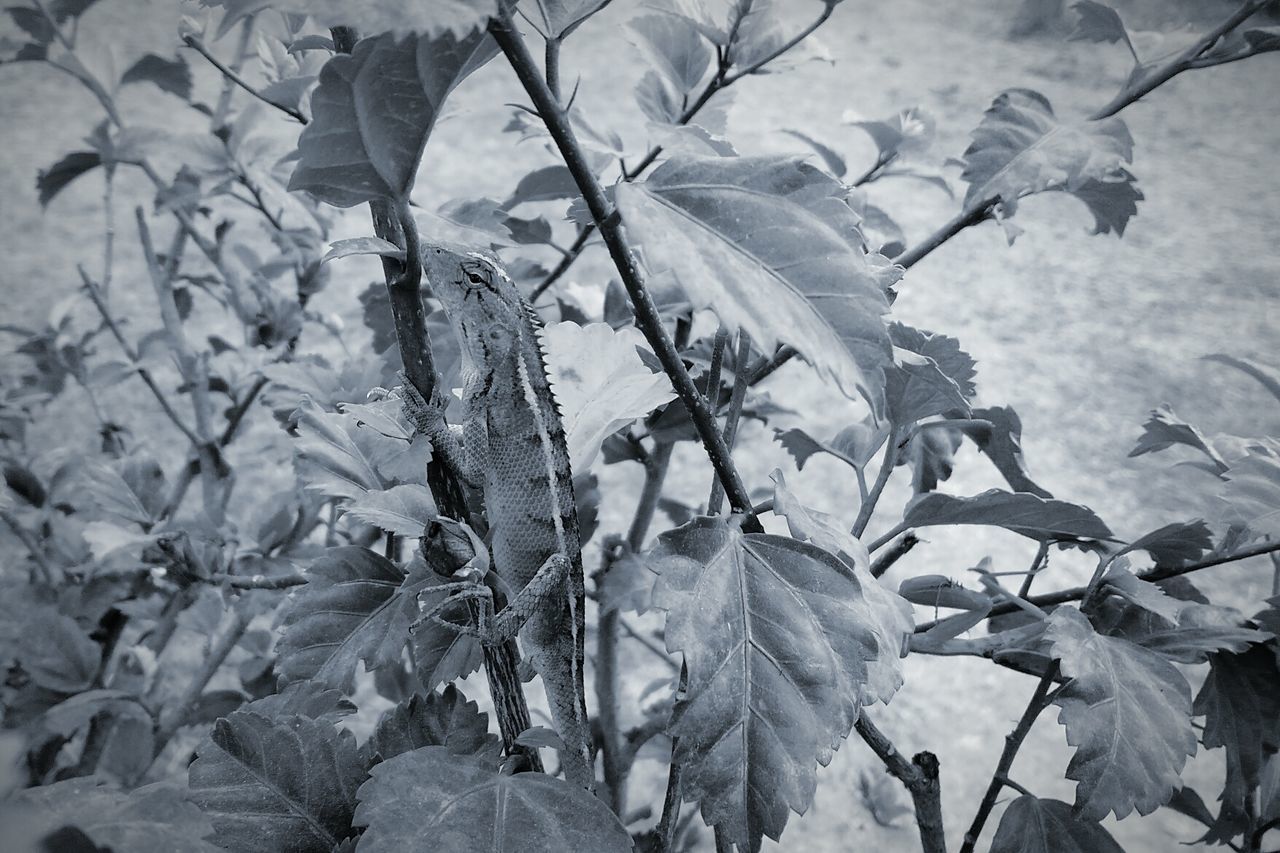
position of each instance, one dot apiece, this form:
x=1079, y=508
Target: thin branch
x=648, y=319
x=736, y=399
x=882, y=478
x=95, y=296
x=919, y=776
x=551, y=63
x=223, y=108
x=198, y=46
x=720, y=81
x=1038, y=563
x=646, y=643
x=1159, y=573
x=665, y=832
x=1012, y=743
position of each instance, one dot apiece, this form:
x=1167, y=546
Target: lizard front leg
x=427, y=418
x=546, y=586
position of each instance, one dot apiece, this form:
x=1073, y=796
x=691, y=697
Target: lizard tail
x=568, y=711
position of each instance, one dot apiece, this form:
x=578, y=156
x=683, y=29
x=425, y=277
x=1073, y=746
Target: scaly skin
x=514, y=448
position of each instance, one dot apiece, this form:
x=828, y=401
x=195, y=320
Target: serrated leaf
x=1164, y=429
x=916, y=388
x=1200, y=630
x=1140, y=593
x=284, y=785
x=356, y=606
x=459, y=803
x=328, y=458
x=954, y=363
x=907, y=133
x=51, y=181
x=363, y=246
x=1240, y=701
x=771, y=245
x=1269, y=378
x=628, y=585
x=1033, y=825
x=1175, y=544
x=675, y=51
x=778, y=651
x=1252, y=488
x=402, y=510
x=456, y=17
x=111, y=493
x=171, y=75
x=1127, y=712
x=1026, y=514
x=438, y=719
x=375, y=108
x=599, y=383
x=1021, y=148
x=1002, y=444
x=158, y=818
x=562, y=17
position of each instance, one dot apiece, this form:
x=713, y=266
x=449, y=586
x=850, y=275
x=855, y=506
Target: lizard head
x=482, y=302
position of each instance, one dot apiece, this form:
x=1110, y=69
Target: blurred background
x=1081, y=334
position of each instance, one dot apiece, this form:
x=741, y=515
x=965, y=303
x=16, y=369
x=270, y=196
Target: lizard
x=512, y=446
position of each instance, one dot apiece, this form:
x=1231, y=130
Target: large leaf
x=600, y=384
x=1021, y=148
x=1200, y=630
x=1128, y=714
x=1002, y=443
x=356, y=606
x=771, y=245
x=458, y=17
x=1253, y=488
x=438, y=719
x=55, y=652
x=1033, y=825
x=171, y=75
x=775, y=636
x=1032, y=516
x=1240, y=702
x=433, y=799
x=284, y=785
x=375, y=108
x=402, y=510
x=155, y=819
x=916, y=388
x=328, y=457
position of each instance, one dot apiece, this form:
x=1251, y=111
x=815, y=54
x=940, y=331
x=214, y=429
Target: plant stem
x=99, y=302
x=1012, y=743
x=882, y=478
x=257, y=581
x=665, y=831
x=32, y=545
x=1038, y=563
x=551, y=63
x=198, y=46
x=1159, y=573
x=720, y=81
x=919, y=776
x=607, y=220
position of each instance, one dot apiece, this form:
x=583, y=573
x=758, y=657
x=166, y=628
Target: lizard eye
x=475, y=278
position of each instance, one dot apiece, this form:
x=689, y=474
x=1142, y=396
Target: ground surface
x=1081, y=334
